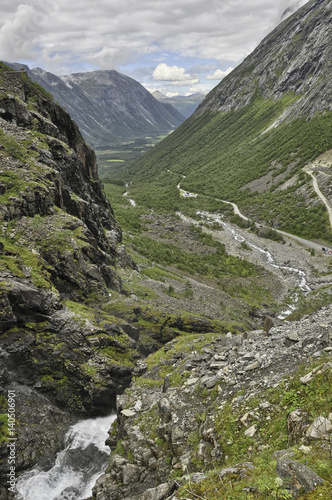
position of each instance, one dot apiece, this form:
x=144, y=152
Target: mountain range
x=186, y=105
x=110, y=108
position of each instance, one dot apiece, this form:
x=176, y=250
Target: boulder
x=321, y=428
x=297, y=478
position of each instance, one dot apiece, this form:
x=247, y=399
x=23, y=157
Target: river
x=77, y=467
x=266, y=256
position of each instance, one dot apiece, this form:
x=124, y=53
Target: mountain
x=256, y=135
x=109, y=107
x=186, y=105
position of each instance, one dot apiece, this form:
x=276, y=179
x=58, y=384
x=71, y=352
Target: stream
x=266, y=255
x=131, y=201
x=77, y=467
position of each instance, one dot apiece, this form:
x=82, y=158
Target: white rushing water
x=77, y=467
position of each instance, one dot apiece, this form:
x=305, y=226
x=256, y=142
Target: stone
x=252, y=366
x=211, y=382
x=128, y=413
x=192, y=381
x=238, y=470
x=161, y=492
x=294, y=336
x=251, y=431
x=218, y=365
x=321, y=428
x=298, y=478
x=307, y=378
x=138, y=405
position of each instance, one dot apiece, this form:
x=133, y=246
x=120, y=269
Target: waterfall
x=77, y=467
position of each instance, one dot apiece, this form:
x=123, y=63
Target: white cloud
x=219, y=74
x=174, y=74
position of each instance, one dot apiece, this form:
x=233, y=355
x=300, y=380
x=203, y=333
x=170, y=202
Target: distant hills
x=110, y=108
x=251, y=138
x=186, y=105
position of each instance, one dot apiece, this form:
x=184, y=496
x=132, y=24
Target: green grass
x=216, y=264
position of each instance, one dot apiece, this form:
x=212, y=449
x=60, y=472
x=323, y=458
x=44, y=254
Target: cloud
x=174, y=74
x=219, y=74
x=20, y=31
x=61, y=36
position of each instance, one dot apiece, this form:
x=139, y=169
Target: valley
x=272, y=287
x=175, y=287
x=118, y=156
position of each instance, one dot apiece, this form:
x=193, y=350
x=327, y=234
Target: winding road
x=308, y=243
x=309, y=171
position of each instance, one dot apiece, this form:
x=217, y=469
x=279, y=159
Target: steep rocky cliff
x=58, y=243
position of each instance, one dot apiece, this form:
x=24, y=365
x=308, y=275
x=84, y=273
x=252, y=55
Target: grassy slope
x=219, y=153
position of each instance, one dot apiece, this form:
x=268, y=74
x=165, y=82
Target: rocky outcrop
x=205, y=404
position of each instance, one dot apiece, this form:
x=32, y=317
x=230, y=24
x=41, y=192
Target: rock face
x=58, y=247
x=192, y=409
x=295, y=57
x=109, y=107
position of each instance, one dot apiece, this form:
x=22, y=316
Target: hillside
x=109, y=107
x=251, y=138
x=238, y=417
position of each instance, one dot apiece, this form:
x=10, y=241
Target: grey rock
x=128, y=413
x=161, y=492
x=294, y=336
x=297, y=478
x=321, y=428
x=251, y=431
x=252, y=366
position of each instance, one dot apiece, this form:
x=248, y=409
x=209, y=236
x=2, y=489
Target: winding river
x=266, y=255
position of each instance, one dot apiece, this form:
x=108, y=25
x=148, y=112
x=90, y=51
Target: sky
x=178, y=47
